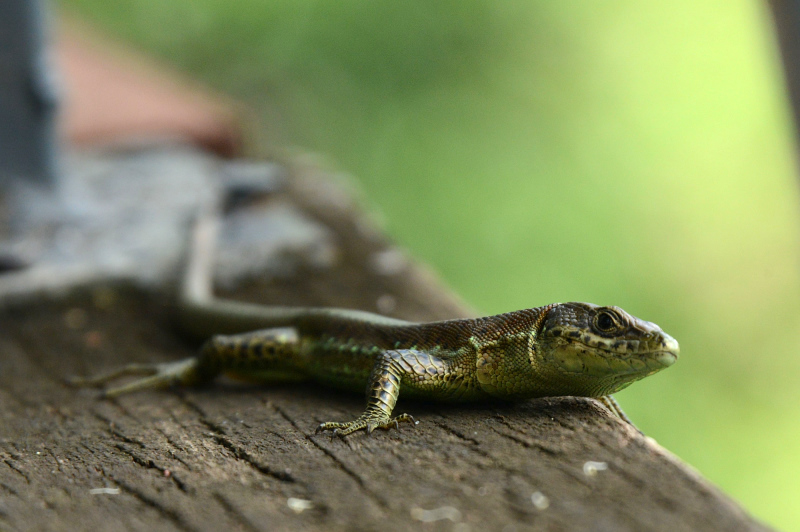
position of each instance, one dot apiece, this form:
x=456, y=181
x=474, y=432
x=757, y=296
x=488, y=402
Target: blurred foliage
x=623, y=152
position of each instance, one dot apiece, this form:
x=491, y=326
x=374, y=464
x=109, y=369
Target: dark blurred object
x=786, y=14
x=28, y=96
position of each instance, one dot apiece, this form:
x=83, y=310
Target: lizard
x=561, y=349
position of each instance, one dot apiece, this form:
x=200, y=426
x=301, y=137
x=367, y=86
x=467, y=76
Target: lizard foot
x=365, y=422
x=153, y=376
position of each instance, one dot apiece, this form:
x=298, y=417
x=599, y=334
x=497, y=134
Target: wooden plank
x=240, y=457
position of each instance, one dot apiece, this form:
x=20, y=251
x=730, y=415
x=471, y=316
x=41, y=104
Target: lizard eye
x=606, y=321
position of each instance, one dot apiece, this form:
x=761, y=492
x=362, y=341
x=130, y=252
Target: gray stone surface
x=273, y=241
x=125, y=216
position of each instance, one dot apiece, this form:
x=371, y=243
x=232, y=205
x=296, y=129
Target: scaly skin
x=562, y=349
x=576, y=349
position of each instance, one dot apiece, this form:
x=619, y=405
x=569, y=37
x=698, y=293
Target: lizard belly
x=340, y=366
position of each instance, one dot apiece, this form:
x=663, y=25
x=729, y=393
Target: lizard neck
x=505, y=347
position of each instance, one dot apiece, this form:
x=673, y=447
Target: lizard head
x=595, y=351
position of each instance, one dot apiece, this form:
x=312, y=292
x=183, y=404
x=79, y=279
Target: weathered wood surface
x=231, y=456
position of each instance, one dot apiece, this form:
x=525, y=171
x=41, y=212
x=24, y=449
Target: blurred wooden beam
x=114, y=96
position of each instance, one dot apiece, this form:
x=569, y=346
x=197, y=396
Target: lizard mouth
x=625, y=359
x=642, y=364
x=665, y=358
x=669, y=354
x=662, y=354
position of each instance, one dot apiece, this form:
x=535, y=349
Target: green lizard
x=563, y=349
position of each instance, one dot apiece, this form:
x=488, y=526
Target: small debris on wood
x=437, y=514
x=104, y=491
x=540, y=500
x=590, y=468
x=299, y=506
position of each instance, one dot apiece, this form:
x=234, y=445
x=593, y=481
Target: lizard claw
x=365, y=423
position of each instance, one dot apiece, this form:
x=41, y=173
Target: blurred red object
x=115, y=96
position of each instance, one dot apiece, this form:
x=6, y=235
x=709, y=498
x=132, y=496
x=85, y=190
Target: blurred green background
x=624, y=152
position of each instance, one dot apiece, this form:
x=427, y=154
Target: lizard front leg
x=406, y=367
x=613, y=406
